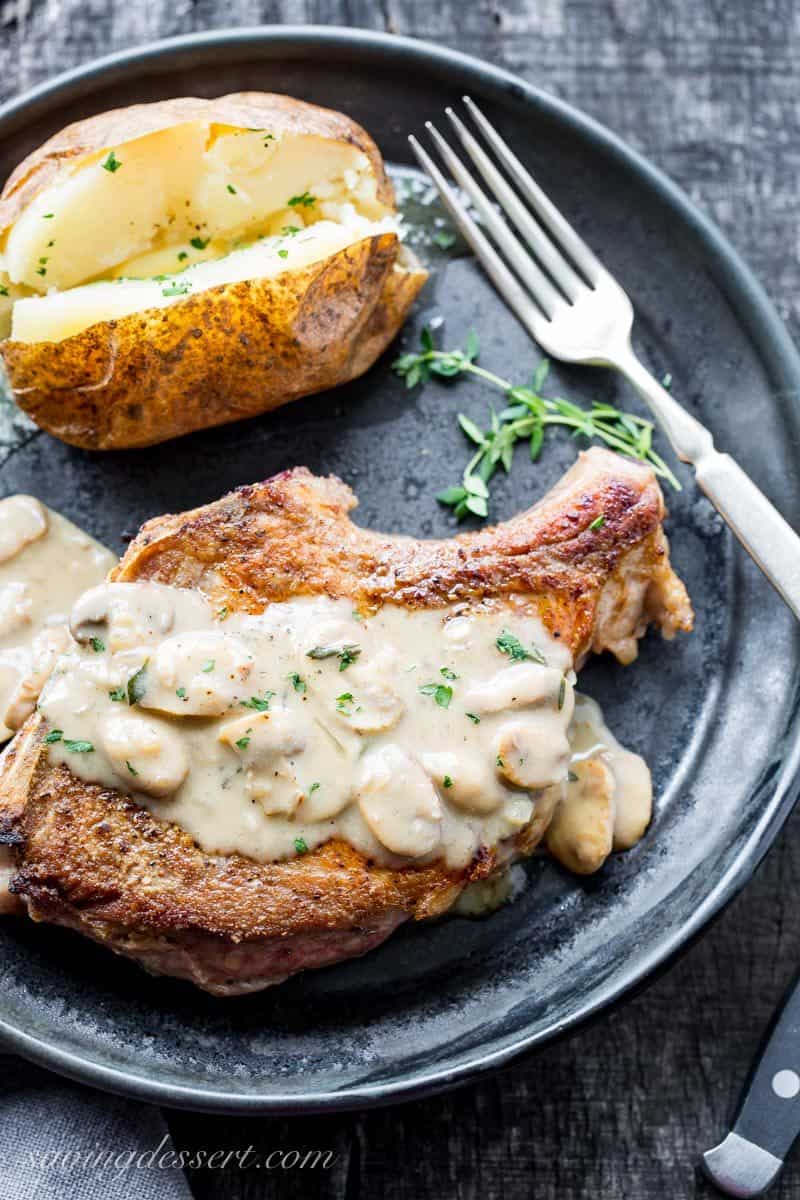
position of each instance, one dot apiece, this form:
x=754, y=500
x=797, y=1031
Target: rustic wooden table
x=709, y=90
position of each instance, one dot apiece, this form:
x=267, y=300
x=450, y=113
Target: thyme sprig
x=526, y=416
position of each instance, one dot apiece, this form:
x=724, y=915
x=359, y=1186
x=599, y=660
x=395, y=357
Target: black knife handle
x=748, y=1161
x=769, y=1113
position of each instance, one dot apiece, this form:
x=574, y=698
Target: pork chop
x=91, y=859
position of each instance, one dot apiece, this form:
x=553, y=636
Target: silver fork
x=576, y=311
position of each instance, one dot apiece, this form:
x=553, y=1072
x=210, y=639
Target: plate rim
x=768, y=333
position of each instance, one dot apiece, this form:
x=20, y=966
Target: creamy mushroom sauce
x=46, y=562
x=633, y=788
x=412, y=734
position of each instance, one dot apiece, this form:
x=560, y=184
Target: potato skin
x=227, y=353
x=245, y=110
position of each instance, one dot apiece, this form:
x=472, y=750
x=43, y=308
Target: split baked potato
x=177, y=265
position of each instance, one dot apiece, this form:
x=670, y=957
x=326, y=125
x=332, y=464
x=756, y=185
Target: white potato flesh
x=192, y=180
x=60, y=315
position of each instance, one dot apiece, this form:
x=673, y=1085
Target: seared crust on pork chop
x=92, y=859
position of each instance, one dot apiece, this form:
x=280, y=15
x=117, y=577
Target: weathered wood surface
x=709, y=89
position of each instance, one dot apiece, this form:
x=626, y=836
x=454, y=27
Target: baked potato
x=172, y=266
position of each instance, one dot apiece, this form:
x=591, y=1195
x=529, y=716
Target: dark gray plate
x=714, y=713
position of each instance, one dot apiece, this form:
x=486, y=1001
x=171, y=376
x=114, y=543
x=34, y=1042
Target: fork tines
x=552, y=260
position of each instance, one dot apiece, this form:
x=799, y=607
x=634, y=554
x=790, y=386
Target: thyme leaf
x=137, y=684
x=526, y=416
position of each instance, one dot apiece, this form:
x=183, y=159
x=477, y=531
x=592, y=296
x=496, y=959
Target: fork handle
x=766, y=536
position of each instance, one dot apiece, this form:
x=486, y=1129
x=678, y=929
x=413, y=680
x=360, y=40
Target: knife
x=750, y=1158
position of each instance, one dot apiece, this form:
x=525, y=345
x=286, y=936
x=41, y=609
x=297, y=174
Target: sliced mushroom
x=518, y=811
x=546, y=804
x=89, y=615
x=519, y=686
x=276, y=790
x=398, y=802
x=22, y=520
x=634, y=793
x=581, y=833
x=377, y=706
x=266, y=742
x=533, y=752
x=53, y=641
x=465, y=780
x=458, y=632
x=145, y=753
x=125, y=614
x=16, y=607
x=199, y=674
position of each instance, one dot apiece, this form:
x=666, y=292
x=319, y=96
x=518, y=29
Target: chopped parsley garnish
x=572, y=777
x=118, y=695
x=346, y=654
x=47, y=216
x=55, y=735
x=137, y=684
x=112, y=163
x=131, y=768
x=298, y=683
x=300, y=845
x=305, y=200
x=598, y=522
x=474, y=718
x=441, y=692
x=499, y=761
x=562, y=693
x=447, y=673
x=180, y=693
x=314, y=788
x=78, y=747
x=183, y=256
x=243, y=742
x=290, y=230
x=447, y=781
x=231, y=189
x=208, y=665
x=508, y=644
x=343, y=701
x=176, y=289
x=259, y=703
x=97, y=644
x=283, y=254
x=41, y=270
x=443, y=239
x=199, y=243
x=223, y=613
x=3, y=290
